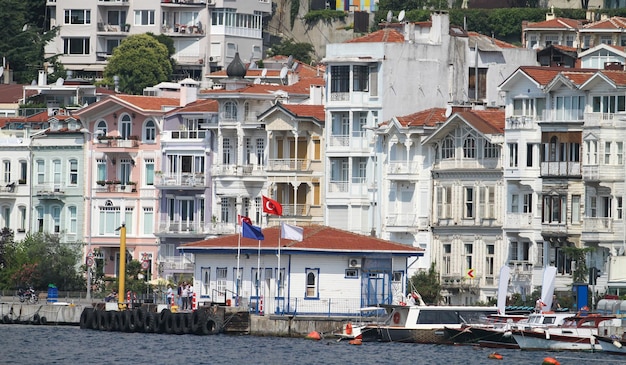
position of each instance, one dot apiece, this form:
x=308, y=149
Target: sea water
x=30, y=344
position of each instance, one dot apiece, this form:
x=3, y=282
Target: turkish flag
x=243, y=218
x=271, y=206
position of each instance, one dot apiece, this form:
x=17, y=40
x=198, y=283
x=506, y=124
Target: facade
x=330, y=272
x=206, y=34
x=123, y=155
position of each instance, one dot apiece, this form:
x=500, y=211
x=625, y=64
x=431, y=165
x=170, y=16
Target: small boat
x=422, y=323
x=613, y=344
x=352, y=330
x=576, y=334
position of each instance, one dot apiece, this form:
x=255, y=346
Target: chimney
x=43, y=78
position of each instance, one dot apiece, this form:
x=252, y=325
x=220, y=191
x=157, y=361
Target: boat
x=612, y=336
x=419, y=323
x=351, y=330
x=497, y=333
x=613, y=344
x=576, y=334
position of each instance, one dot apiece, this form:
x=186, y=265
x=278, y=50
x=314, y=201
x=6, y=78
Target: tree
x=427, y=284
x=288, y=47
x=579, y=255
x=23, y=37
x=140, y=61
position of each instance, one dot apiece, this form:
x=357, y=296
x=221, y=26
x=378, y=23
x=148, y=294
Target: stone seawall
x=46, y=313
x=290, y=326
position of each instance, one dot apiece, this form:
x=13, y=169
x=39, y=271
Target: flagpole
x=237, y=269
x=278, y=278
x=258, y=274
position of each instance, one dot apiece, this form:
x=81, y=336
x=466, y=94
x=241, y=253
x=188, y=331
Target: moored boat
x=613, y=344
x=423, y=324
x=576, y=334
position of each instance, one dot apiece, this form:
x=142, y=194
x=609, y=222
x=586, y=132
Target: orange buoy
x=356, y=341
x=348, y=328
x=495, y=356
x=550, y=361
x=314, y=335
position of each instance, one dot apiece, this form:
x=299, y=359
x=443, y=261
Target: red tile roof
x=301, y=87
x=199, y=106
x=149, y=103
x=426, y=118
x=485, y=121
x=557, y=23
x=12, y=93
x=618, y=77
x=616, y=22
x=316, y=238
x=495, y=41
x=380, y=36
x=306, y=110
x=542, y=75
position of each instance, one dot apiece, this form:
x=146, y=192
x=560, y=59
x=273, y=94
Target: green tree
x=427, y=283
x=41, y=259
x=579, y=255
x=23, y=36
x=139, y=61
x=288, y=47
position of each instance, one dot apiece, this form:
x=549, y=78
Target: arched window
x=150, y=131
x=469, y=147
x=447, y=148
x=311, y=283
x=246, y=111
x=125, y=127
x=230, y=110
x=102, y=126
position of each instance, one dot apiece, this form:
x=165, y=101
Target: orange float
x=356, y=341
x=348, y=328
x=495, y=356
x=550, y=361
x=314, y=335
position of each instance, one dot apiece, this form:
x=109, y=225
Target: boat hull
x=528, y=340
x=612, y=346
x=401, y=334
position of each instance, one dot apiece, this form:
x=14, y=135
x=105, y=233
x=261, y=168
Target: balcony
x=603, y=119
x=49, y=191
x=194, y=228
x=289, y=164
x=520, y=122
x=181, y=180
x=603, y=173
x=561, y=168
x=299, y=210
x=112, y=2
x=238, y=171
x=401, y=220
x=402, y=170
x=185, y=3
x=8, y=190
x=117, y=143
x=458, y=282
x=519, y=220
x=521, y=270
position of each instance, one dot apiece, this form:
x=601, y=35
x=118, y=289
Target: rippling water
x=28, y=344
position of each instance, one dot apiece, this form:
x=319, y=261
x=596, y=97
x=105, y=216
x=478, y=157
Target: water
x=28, y=344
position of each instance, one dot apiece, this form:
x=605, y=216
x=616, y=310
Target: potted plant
x=100, y=182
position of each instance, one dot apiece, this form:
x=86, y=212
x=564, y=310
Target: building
x=206, y=34
x=330, y=272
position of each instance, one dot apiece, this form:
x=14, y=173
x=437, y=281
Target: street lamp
x=89, y=261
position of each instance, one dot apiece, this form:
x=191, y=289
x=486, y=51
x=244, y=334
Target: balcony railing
x=181, y=180
x=560, y=168
x=187, y=134
x=236, y=170
x=520, y=122
x=117, y=143
x=300, y=210
x=598, y=224
x=401, y=220
x=402, y=168
x=289, y=164
x=338, y=186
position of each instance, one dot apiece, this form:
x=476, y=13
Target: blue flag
x=250, y=231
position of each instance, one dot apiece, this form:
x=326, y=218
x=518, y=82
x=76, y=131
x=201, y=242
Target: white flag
x=291, y=232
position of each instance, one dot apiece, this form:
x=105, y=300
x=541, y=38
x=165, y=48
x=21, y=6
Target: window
x=55, y=212
x=606, y=39
x=102, y=127
x=78, y=16
x=447, y=148
x=554, y=208
x=39, y=211
x=374, y=81
x=469, y=250
x=444, y=199
x=551, y=39
x=41, y=172
x=513, y=254
x=447, y=258
x=569, y=40
x=149, y=166
x=608, y=104
x=125, y=127
x=23, y=172
x=150, y=132
x=352, y=273
x=512, y=154
x=6, y=217
x=477, y=88
x=619, y=209
x=532, y=41
x=469, y=202
x=488, y=202
x=73, y=178
x=311, y=283
x=514, y=203
x=575, y=209
x=22, y=219
x=528, y=203
x=237, y=280
x=491, y=150
x=205, y=277
x=116, y=17
x=339, y=79
x=72, y=218
x=226, y=151
x=109, y=218
x=469, y=147
x=540, y=256
x=620, y=153
x=529, y=155
x=102, y=170
x=592, y=152
x=260, y=150
x=148, y=220
x=569, y=108
x=489, y=264
x=230, y=110
x=125, y=169
x=360, y=78
x=76, y=46
x=7, y=172
x=144, y=17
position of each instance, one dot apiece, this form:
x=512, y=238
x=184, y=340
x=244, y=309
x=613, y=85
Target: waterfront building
x=330, y=272
x=206, y=33
x=123, y=154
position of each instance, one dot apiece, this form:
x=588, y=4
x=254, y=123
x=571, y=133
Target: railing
x=289, y=164
x=338, y=186
x=301, y=210
x=236, y=170
x=558, y=168
x=119, y=143
x=598, y=224
x=402, y=167
x=401, y=220
x=520, y=122
x=182, y=134
x=320, y=307
x=339, y=96
x=181, y=180
x=190, y=227
x=337, y=140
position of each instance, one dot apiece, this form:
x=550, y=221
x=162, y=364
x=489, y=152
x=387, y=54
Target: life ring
x=396, y=317
x=348, y=328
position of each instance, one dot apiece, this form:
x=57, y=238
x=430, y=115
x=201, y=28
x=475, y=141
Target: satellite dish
x=257, y=81
x=283, y=72
x=448, y=111
x=389, y=16
x=264, y=72
x=401, y=16
x=60, y=81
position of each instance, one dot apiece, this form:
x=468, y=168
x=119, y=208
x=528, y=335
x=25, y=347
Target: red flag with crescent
x=271, y=206
x=243, y=218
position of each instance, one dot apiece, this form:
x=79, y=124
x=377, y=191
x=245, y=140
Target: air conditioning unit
x=354, y=262
x=214, y=59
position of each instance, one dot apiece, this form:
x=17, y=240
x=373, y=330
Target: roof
x=485, y=121
x=556, y=23
x=613, y=23
x=149, y=103
x=486, y=43
x=300, y=87
x=386, y=35
x=12, y=93
x=306, y=110
x=316, y=238
x=198, y=106
x=426, y=118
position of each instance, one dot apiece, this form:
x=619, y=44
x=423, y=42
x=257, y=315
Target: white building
x=206, y=34
x=330, y=272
